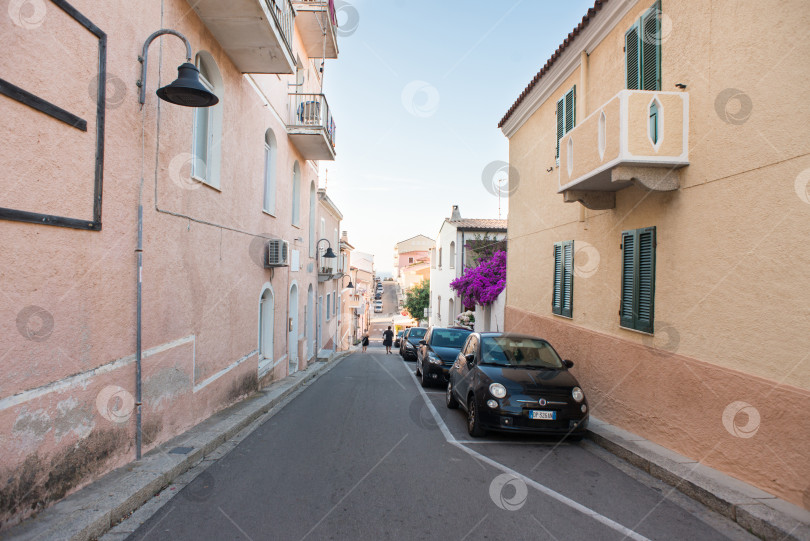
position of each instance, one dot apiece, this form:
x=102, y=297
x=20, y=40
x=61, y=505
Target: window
x=453, y=255
x=642, y=48
x=312, y=238
x=296, y=195
x=440, y=258
x=562, y=300
x=334, y=303
x=270, y=148
x=410, y=260
x=207, y=125
x=566, y=116
x=328, y=306
x=654, y=122
x=638, y=279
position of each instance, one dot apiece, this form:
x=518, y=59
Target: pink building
x=412, y=261
x=220, y=304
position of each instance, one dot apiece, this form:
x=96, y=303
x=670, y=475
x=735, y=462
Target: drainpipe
x=138, y=352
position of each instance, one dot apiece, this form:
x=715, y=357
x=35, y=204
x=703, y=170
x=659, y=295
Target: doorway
x=293, y=341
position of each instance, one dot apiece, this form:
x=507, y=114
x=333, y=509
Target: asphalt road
x=364, y=453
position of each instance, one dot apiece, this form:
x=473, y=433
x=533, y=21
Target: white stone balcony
x=317, y=26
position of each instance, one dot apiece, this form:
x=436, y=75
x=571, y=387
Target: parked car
x=378, y=307
x=516, y=383
x=437, y=352
x=410, y=342
x=378, y=296
x=398, y=339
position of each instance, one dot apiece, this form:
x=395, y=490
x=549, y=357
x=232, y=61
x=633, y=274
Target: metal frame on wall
x=35, y=102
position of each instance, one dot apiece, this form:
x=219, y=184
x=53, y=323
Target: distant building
x=450, y=256
x=412, y=261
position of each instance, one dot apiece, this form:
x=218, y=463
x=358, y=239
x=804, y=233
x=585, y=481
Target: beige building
x=659, y=233
x=156, y=258
x=412, y=261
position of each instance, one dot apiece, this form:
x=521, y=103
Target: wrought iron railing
x=284, y=15
x=312, y=111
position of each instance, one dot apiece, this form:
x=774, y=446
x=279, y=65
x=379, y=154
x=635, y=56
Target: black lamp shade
x=351, y=285
x=329, y=253
x=187, y=90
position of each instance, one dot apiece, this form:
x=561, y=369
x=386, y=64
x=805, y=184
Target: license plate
x=543, y=415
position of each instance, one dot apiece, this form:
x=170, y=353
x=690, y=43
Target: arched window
x=312, y=231
x=439, y=306
x=270, y=149
x=296, y=195
x=440, y=258
x=451, y=312
x=206, y=146
x=453, y=255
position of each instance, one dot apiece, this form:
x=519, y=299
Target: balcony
x=311, y=127
x=255, y=34
x=637, y=138
x=317, y=26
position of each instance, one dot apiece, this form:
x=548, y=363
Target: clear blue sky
x=417, y=94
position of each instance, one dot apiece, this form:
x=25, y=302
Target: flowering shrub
x=466, y=318
x=482, y=284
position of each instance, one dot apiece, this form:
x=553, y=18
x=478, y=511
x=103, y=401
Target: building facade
x=157, y=258
x=450, y=256
x=412, y=261
x=330, y=273
x=658, y=237
x=362, y=274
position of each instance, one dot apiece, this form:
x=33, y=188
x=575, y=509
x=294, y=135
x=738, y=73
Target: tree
x=418, y=299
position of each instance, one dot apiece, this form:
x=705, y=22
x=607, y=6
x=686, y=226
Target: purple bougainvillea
x=482, y=284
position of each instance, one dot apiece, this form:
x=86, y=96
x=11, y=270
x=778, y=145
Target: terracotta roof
x=550, y=62
x=484, y=223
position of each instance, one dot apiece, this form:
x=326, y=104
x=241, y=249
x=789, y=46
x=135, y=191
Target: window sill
x=206, y=183
x=268, y=213
x=570, y=318
x=645, y=333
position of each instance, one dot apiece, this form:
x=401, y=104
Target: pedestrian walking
x=365, y=342
x=388, y=339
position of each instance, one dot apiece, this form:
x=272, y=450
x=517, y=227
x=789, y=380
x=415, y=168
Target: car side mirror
x=568, y=364
x=422, y=343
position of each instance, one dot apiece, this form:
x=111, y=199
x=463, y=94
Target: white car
x=378, y=307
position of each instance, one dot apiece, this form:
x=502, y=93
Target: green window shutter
x=556, y=299
x=651, y=50
x=570, y=109
x=560, y=123
x=568, y=279
x=646, y=279
x=631, y=57
x=627, y=318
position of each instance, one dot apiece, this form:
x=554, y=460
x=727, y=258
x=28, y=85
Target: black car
x=410, y=342
x=437, y=352
x=516, y=383
x=398, y=339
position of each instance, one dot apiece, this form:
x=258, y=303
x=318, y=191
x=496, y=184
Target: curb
x=93, y=510
x=759, y=512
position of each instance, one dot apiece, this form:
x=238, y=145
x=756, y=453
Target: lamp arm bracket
x=143, y=59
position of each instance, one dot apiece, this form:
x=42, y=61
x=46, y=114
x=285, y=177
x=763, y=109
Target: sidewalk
x=92, y=511
x=757, y=511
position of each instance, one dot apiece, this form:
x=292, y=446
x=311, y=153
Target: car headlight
x=433, y=359
x=577, y=394
x=497, y=390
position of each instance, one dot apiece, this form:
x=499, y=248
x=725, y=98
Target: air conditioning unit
x=278, y=253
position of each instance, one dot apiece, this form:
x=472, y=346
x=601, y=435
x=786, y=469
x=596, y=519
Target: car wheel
x=450, y=400
x=424, y=380
x=417, y=368
x=474, y=419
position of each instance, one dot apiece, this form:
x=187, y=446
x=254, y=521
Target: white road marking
x=587, y=511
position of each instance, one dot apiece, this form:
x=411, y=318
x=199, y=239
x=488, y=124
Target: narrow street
x=378, y=465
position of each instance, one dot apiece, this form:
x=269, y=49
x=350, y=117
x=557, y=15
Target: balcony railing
x=317, y=27
x=638, y=137
x=284, y=14
x=311, y=126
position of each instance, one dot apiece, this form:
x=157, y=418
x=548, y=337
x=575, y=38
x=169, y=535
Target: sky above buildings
x=417, y=94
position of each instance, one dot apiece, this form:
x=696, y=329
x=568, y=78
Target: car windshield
x=449, y=338
x=417, y=333
x=519, y=352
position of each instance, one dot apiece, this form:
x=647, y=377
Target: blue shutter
x=560, y=124
x=631, y=57
x=646, y=279
x=568, y=279
x=651, y=50
x=556, y=299
x=628, y=278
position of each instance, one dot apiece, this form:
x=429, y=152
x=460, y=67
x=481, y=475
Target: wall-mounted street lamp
x=186, y=90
